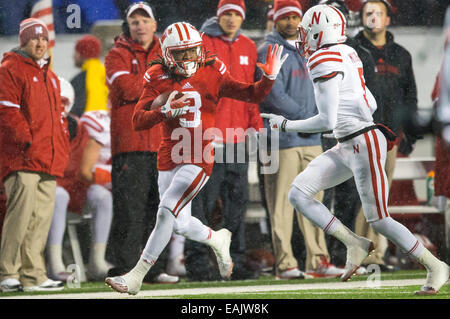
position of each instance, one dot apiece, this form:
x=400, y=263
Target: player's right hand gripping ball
x=175, y=106
x=274, y=61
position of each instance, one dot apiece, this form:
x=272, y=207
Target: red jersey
x=187, y=139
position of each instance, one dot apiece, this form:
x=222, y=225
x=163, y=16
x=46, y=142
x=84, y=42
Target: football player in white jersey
x=345, y=106
x=95, y=168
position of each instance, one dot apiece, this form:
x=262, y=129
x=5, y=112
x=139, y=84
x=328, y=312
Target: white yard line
x=168, y=293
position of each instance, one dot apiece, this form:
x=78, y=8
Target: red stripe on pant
x=372, y=171
x=189, y=193
x=382, y=172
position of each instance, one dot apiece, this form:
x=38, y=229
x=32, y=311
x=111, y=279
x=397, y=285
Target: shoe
x=176, y=267
x=292, y=273
x=220, y=243
x=11, y=285
x=436, y=278
x=48, y=285
x=326, y=270
x=96, y=272
x=61, y=276
x=355, y=255
x=383, y=267
x=243, y=273
x=124, y=284
x=164, y=278
x=361, y=271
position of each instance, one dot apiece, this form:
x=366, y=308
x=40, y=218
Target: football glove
x=276, y=122
x=175, y=107
x=274, y=61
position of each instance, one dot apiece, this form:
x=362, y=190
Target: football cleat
x=355, y=256
x=220, y=243
x=436, y=278
x=292, y=273
x=124, y=284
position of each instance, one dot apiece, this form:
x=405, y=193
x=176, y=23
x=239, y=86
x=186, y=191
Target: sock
x=176, y=246
x=58, y=225
x=427, y=259
x=399, y=235
x=56, y=263
x=140, y=270
x=313, y=210
x=160, y=236
x=97, y=258
x=100, y=202
x=345, y=235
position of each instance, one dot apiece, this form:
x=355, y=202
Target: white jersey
x=356, y=102
x=97, y=124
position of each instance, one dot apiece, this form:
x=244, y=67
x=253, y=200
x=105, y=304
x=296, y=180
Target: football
x=162, y=99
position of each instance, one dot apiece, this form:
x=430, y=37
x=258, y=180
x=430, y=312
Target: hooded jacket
x=292, y=94
x=239, y=56
x=396, y=92
x=125, y=66
x=33, y=130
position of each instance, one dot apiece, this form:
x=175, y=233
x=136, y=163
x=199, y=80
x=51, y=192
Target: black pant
x=229, y=182
x=345, y=201
x=135, y=205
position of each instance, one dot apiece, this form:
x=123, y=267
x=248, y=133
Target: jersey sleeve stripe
x=324, y=60
x=313, y=57
x=9, y=104
x=90, y=121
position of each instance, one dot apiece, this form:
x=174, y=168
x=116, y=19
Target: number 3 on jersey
x=195, y=103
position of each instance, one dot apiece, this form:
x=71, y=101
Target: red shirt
x=240, y=57
x=125, y=66
x=33, y=136
x=193, y=132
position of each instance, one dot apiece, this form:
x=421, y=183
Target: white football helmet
x=321, y=25
x=67, y=94
x=180, y=36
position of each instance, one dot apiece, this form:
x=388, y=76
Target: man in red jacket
x=134, y=173
x=35, y=148
x=229, y=179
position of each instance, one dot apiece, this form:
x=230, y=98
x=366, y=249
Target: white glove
x=274, y=61
x=175, y=108
x=276, y=122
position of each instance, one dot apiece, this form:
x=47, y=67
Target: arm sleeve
x=279, y=102
x=327, y=100
x=96, y=126
x=143, y=117
x=253, y=92
x=13, y=124
x=121, y=79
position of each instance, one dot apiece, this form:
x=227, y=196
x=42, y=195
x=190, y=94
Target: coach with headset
x=134, y=173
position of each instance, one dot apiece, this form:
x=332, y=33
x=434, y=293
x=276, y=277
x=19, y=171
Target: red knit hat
x=88, y=47
x=235, y=5
x=283, y=8
x=31, y=28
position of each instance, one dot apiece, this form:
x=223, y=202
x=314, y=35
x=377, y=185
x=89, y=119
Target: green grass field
x=264, y=288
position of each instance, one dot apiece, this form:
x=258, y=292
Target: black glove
x=407, y=145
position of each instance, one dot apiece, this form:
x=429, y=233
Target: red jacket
x=71, y=182
x=33, y=135
x=125, y=67
x=240, y=57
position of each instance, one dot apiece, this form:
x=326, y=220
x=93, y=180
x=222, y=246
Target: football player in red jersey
x=185, y=165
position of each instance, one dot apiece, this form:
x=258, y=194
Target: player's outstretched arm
x=274, y=61
x=327, y=101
